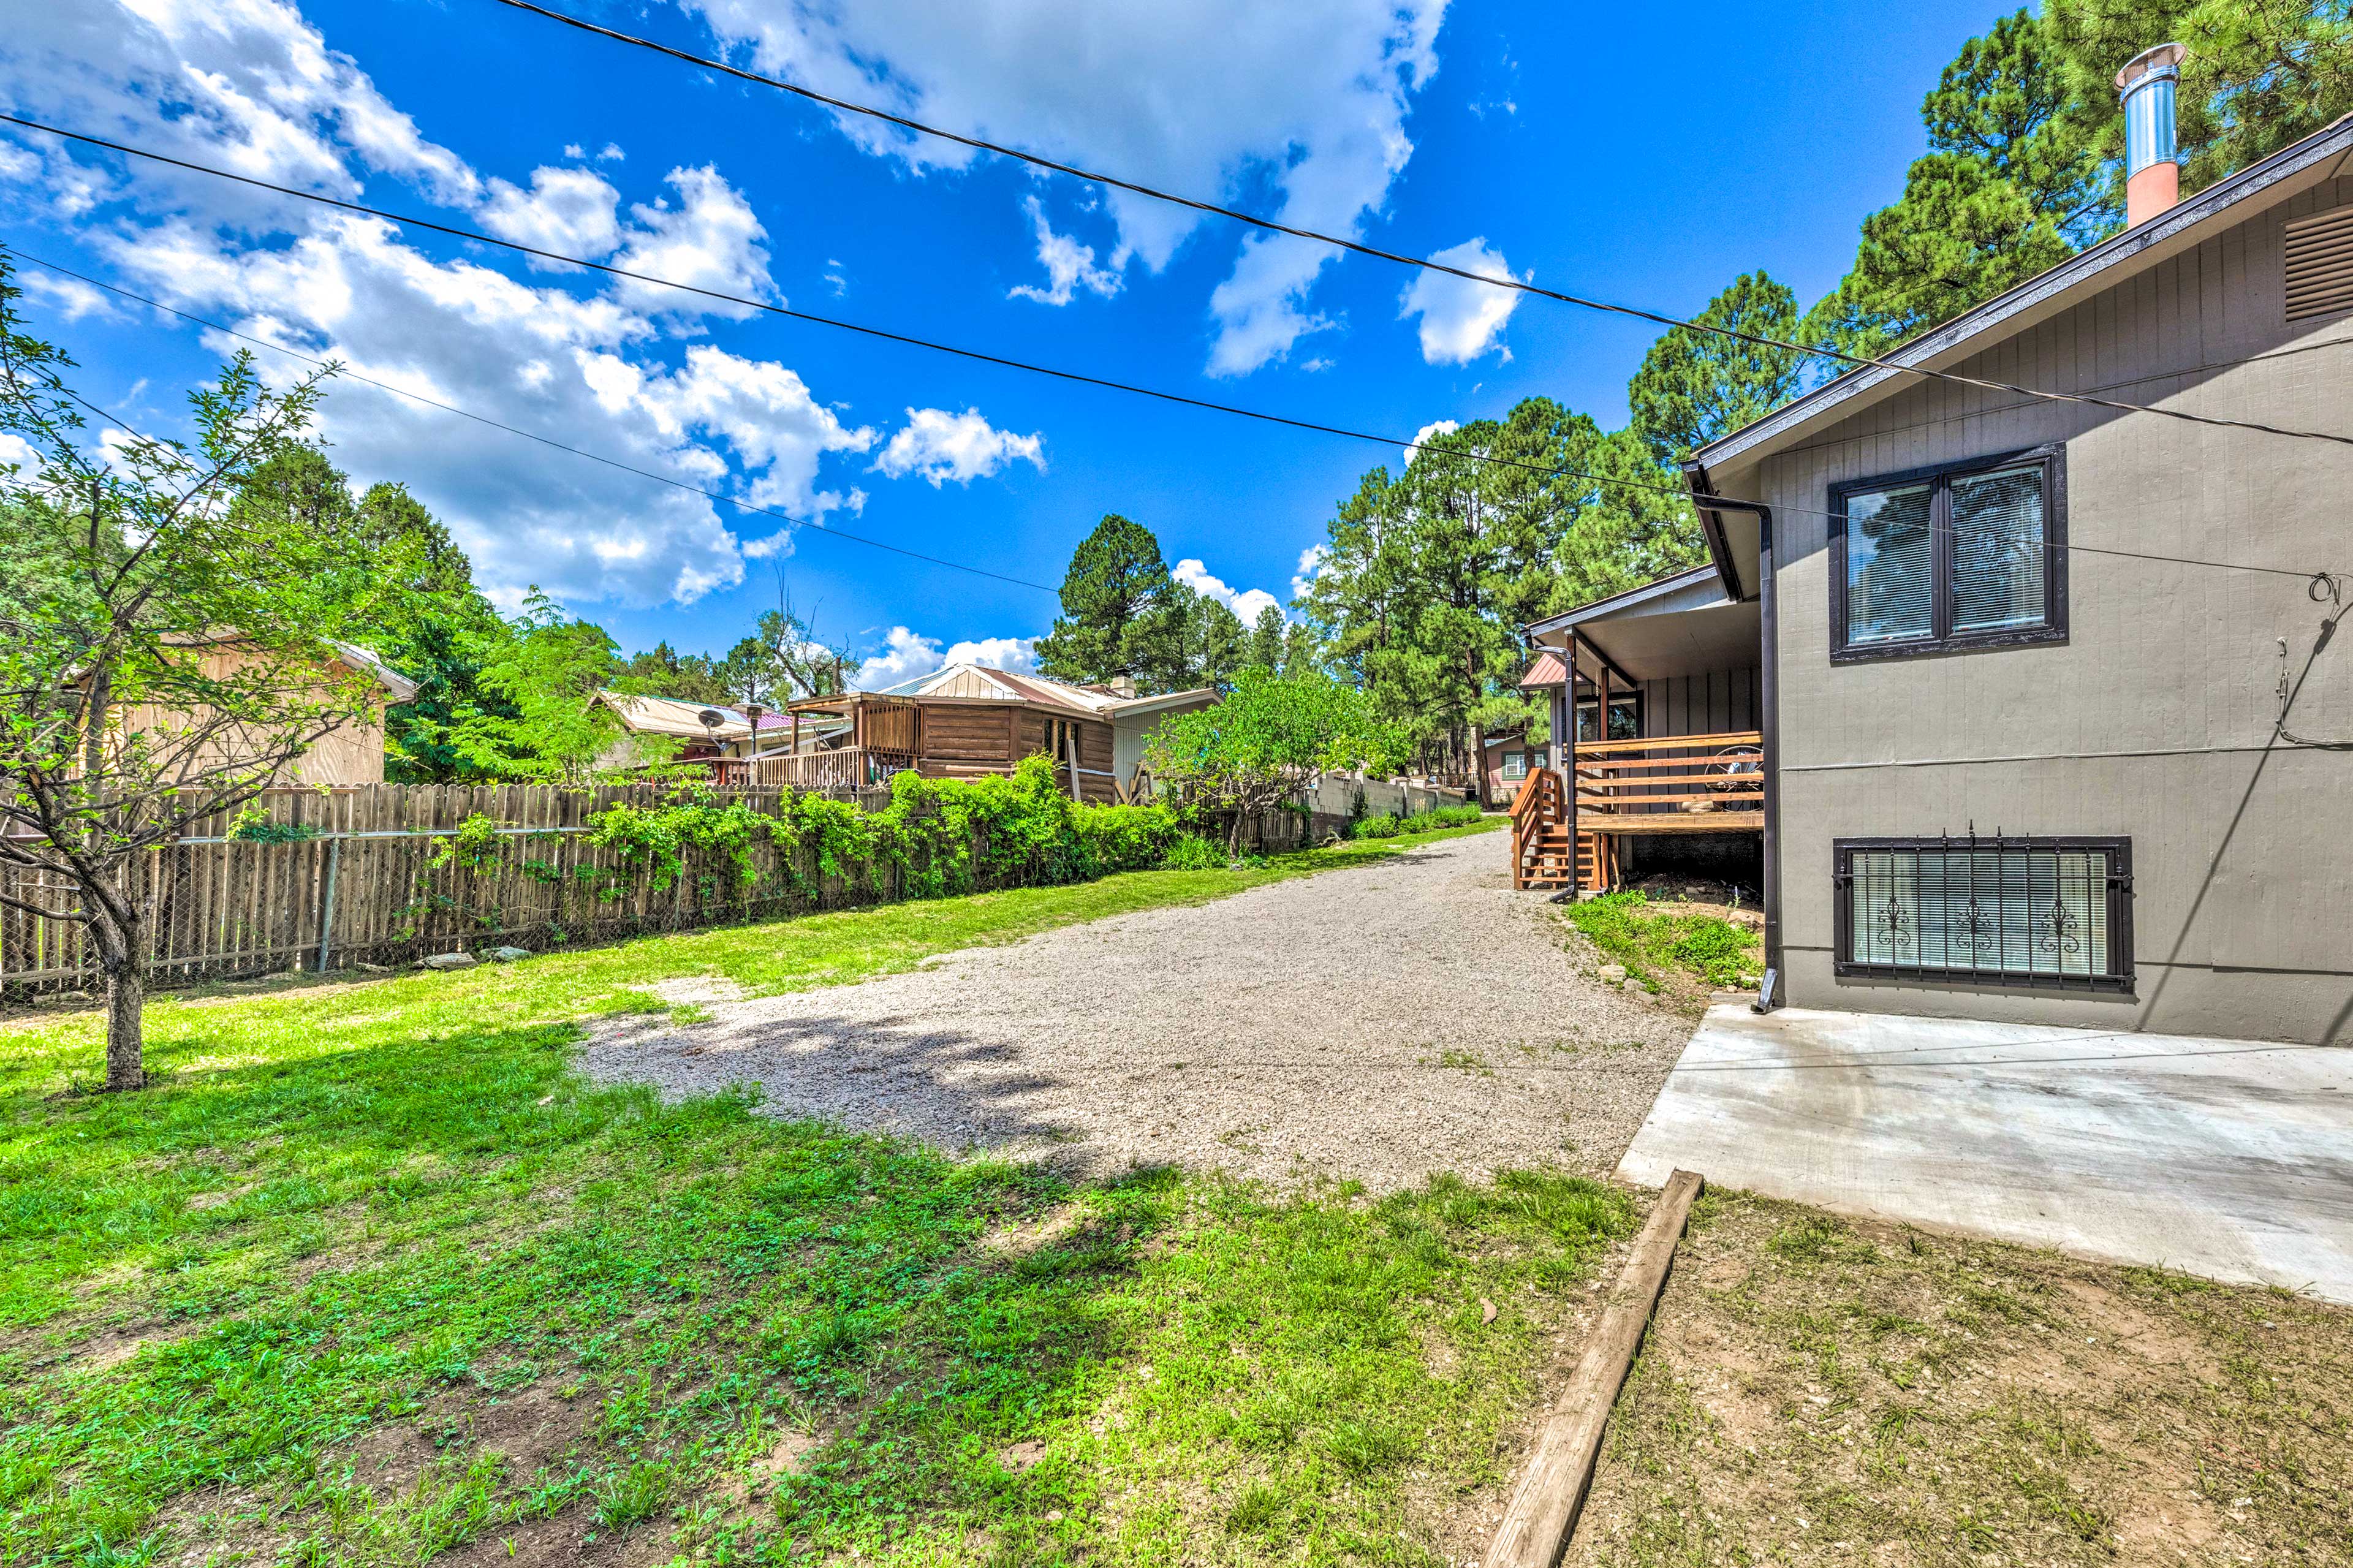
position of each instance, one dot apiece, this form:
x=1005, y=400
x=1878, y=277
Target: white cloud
x=573, y=149
x=941, y=445
x=1302, y=104
x=1311, y=567
x=249, y=84
x=709, y=239
x=71, y=296
x=571, y=211
x=245, y=84
x=1461, y=320
x=1070, y=266
x=610, y=153
x=908, y=655
x=15, y=451
x=1422, y=438
x=1248, y=603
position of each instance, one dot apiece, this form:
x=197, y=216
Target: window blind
x=1891, y=565
x=2020, y=911
x=1997, y=541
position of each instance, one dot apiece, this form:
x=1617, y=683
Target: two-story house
x=2050, y=721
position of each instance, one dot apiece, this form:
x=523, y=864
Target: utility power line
x=1674, y=491
x=510, y=429
x=1358, y=248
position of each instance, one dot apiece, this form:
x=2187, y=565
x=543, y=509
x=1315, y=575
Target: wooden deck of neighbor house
x=1671, y=784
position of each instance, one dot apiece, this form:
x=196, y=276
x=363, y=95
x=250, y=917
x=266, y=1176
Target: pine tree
x=1121, y=613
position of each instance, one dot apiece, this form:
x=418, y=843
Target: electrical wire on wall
x=2325, y=588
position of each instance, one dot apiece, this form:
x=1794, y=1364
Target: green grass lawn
x=370, y=1275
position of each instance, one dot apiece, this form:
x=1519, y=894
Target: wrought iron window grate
x=2007, y=910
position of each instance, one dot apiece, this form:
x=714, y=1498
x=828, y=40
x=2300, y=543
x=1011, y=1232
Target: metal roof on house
x=1547, y=670
x=668, y=716
x=987, y=683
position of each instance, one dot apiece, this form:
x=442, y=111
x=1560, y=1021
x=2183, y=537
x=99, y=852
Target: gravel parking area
x=1377, y=1025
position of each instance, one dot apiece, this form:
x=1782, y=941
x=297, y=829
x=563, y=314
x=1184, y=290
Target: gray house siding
x=2154, y=719
x=1709, y=704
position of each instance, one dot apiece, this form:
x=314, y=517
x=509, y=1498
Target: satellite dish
x=711, y=718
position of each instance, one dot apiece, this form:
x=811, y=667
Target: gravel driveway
x=1375, y=1024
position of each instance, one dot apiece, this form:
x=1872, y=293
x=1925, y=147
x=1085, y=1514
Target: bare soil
x=1823, y=1391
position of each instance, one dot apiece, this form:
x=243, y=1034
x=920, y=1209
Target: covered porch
x=1657, y=751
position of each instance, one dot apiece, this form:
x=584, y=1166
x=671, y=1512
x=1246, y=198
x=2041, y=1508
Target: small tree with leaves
x=1266, y=742
x=168, y=652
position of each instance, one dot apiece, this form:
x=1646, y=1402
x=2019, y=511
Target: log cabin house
x=968, y=721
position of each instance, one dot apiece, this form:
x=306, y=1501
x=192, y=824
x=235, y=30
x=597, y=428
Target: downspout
x=1769, y=994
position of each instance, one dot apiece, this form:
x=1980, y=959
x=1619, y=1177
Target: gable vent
x=2321, y=265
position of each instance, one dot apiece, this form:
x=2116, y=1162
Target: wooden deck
x=1660, y=783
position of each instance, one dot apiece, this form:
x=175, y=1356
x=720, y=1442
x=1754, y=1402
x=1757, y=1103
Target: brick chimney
x=2152, y=179
x=1123, y=685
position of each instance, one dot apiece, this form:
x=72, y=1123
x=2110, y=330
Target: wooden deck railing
x=1680, y=784
x=852, y=767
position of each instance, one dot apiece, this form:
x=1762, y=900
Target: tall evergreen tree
x=1694, y=386
x=2009, y=186
x=1121, y=614
x=2259, y=75
x=1269, y=640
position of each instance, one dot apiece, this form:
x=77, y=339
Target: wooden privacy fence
x=360, y=885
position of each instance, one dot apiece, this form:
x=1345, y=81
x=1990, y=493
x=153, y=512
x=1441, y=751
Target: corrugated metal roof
x=668, y=716
x=1547, y=670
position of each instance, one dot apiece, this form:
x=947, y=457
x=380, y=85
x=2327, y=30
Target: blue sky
x=1641, y=153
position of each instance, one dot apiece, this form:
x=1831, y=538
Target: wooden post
x=1543, y=1512
x=1070, y=748
x=327, y=902
x=1575, y=876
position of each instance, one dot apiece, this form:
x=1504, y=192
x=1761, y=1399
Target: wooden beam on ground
x=1536, y=1527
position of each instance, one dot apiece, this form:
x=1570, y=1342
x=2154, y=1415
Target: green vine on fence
x=940, y=836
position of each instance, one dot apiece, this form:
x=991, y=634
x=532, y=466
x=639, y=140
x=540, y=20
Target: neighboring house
x=1509, y=756
x=2038, y=742
x=660, y=729
x=350, y=754
x=970, y=719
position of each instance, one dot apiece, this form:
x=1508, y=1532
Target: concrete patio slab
x=2229, y=1159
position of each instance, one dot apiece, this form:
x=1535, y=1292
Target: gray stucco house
x=2050, y=724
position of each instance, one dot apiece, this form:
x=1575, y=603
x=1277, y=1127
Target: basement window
x=2010, y=912
x=1952, y=559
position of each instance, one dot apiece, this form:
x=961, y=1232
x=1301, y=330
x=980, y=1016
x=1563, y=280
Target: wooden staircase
x=1541, y=855
x=1541, y=852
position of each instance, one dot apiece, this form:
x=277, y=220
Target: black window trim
x=2052, y=456
x=2118, y=979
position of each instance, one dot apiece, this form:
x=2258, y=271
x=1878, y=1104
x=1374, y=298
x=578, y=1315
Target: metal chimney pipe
x=2152, y=179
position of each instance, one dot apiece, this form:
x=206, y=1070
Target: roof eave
x=1934, y=349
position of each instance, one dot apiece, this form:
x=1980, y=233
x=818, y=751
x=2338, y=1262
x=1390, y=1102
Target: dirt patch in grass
x=1823, y=1391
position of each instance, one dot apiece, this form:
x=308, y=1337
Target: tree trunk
x=126, y=995
x=1479, y=765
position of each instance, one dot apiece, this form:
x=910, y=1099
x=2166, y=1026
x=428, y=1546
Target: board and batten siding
x=1712, y=704
x=2157, y=718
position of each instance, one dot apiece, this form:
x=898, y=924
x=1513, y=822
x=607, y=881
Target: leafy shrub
x=1191, y=852
x=1442, y=816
